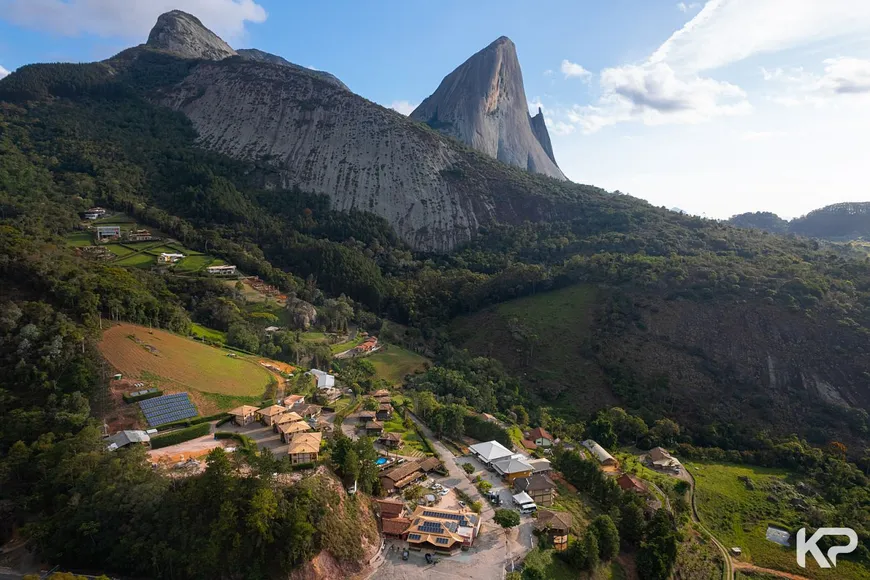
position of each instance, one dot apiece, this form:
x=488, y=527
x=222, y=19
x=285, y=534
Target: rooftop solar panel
x=413, y=536
x=442, y=540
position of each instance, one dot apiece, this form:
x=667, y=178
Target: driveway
x=265, y=437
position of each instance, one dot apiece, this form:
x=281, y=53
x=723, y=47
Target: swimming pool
x=380, y=460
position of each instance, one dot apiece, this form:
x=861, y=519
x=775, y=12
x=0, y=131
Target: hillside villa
x=658, y=458
x=169, y=258
x=226, y=270
x=324, y=379
x=540, y=488
x=399, y=477
x=288, y=417
x=287, y=430
x=600, y=453
x=366, y=416
x=542, y=466
x=490, y=451
x=556, y=525
x=374, y=428
x=390, y=440
x=243, y=415
x=441, y=530
x=540, y=437
x=140, y=236
x=628, y=482
x=108, y=233
x=305, y=447
x=384, y=412
x=381, y=393
x=513, y=467
x=268, y=415
x=391, y=513
x=292, y=400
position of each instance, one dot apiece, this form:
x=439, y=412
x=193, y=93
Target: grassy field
x=208, y=333
x=118, y=250
x=545, y=338
x=79, y=239
x=739, y=516
x=141, y=260
x=197, y=263
x=409, y=436
x=181, y=363
x=343, y=346
x=392, y=363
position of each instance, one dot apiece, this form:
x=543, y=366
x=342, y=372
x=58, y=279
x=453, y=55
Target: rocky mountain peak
x=483, y=103
x=539, y=128
x=184, y=35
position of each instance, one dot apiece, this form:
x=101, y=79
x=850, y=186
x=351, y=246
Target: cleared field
x=118, y=250
x=197, y=263
x=392, y=363
x=208, y=333
x=142, y=260
x=343, y=346
x=738, y=514
x=79, y=239
x=181, y=363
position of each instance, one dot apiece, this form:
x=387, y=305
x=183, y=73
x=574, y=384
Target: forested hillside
x=838, y=222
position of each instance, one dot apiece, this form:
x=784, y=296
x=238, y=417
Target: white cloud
x=841, y=77
x=728, y=31
x=559, y=127
x=404, y=107
x=573, y=70
x=760, y=135
x=3, y=72
x=129, y=18
x=683, y=7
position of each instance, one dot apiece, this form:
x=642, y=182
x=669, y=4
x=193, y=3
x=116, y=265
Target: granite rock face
x=260, y=56
x=483, y=104
x=184, y=35
x=539, y=128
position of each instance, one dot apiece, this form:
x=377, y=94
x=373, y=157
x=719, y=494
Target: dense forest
x=74, y=136
x=838, y=222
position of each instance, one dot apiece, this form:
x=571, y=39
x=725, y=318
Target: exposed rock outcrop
x=539, y=128
x=483, y=104
x=260, y=56
x=184, y=35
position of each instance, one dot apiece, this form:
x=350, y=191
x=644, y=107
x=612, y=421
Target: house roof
x=372, y=425
x=523, y=498
x=243, y=411
x=539, y=433
x=391, y=436
x=511, y=465
x=441, y=528
x=395, y=526
x=429, y=464
x=385, y=407
x=381, y=393
x=491, y=450
x=366, y=415
x=271, y=410
x=400, y=472
x=629, y=482
x=123, y=438
x=307, y=409
x=390, y=508
x=536, y=482
x=294, y=427
x=659, y=453
x=290, y=400
x=598, y=451
x=305, y=443
x=288, y=418
x=540, y=465
x=528, y=444
x=553, y=520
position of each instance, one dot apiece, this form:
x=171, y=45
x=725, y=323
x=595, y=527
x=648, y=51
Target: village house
x=287, y=430
x=384, y=412
x=541, y=466
x=367, y=346
x=366, y=416
x=243, y=415
x=169, y=258
x=399, y=477
x=528, y=444
x=512, y=467
x=381, y=393
x=292, y=400
x=391, y=513
x=540, y=437
x=628, y=482
x=140, y=236
x=374, y=428
x=658, y=458
x=305, y=447
x=556, y=525
x=226, y=270
x=108, y=233
x=600, y=454
x=268, y=415
x=324, y=379
x=490, y=451
x=384, y=399
x=308, y=411
x=94, y=213
x=288, y=417
x=442, y=530
x=391, y=440
x=540, y=488
x=124, y=438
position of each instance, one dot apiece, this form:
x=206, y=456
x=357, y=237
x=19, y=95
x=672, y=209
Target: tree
x=590, y=541
x=601, y=431
x=608, y=537
x=631, y=522
x=239, y=335
x=665, y=432
x=506, y=518
x=533, y=573
x=575, y=555
x=522, y=416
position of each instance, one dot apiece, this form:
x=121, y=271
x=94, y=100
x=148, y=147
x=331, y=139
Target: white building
x=600, y=453
x=221, y=270
x=166, y=258
x=490, y=452
x=108, y=232
x=324, y=379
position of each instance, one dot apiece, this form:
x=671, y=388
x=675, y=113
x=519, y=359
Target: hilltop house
x=169, y=258
x=243, y=415
x=658, y=458
x=226, y=270
x=287, y=430
x=557, y=526
x=108, y=233
x=442, y=530
x=599, y=453
x=324, y=379
x=305, y=447
x=628, y=482
x=490, y=452
x=540, y=488
x=293, y=400
x=269, y=414
x=540, y=437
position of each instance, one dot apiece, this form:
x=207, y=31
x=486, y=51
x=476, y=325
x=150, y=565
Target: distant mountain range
x=837, y=222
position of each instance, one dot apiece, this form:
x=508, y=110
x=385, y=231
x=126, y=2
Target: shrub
x=222, y=417
x=301, y=466
x=468, y=468
x=484, y=486
x=180, y=436
x=507, y=518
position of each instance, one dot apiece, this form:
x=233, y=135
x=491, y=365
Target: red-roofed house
x=540, y=437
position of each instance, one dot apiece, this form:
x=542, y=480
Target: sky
x=716, y=107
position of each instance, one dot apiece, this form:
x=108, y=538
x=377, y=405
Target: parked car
x=405, y=554
x=444, y=492
x=462, y=504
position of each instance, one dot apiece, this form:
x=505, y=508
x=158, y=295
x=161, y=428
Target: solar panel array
x=413, y=536
x=443, y=515
x=442, y=540
x=167, y=409
x=432, y=528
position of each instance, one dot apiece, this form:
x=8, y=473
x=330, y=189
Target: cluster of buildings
x=94, y=213
x=295, y=423
x=529, y=477
x=397, y=478
x=429, y=528
x=369, y=345
x=372, y=422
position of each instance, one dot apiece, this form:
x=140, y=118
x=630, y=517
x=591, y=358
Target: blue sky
x=715, y=107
